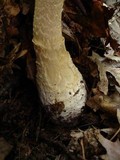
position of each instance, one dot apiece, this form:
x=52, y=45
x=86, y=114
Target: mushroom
x=61, y=86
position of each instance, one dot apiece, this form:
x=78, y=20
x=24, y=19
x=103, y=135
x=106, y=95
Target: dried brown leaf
x=112, y=148
x=109, y=104
x=104, y=66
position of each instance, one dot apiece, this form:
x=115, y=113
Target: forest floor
x=26, y=131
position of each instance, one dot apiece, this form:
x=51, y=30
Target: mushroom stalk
x=60, y=84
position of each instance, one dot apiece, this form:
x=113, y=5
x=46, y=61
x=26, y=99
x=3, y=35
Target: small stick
x=83, y=149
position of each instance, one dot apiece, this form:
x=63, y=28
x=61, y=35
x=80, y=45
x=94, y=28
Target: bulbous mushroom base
x=68, y=112
x=61, y=86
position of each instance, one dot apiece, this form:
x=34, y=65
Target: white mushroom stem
x=60, y=84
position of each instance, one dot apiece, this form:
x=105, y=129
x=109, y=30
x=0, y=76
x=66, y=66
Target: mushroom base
x=61, y=86
x=71, y=121
x=67, y=112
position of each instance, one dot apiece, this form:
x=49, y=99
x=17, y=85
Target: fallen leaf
x=104, y=66
x=112, y=148
x=114, y=28
x=113, y=40
x=106, y=103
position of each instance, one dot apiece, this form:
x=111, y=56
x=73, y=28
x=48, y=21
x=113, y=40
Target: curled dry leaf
x=106, y=103
x=114, y=27
x=112, y=148
x=107, y=66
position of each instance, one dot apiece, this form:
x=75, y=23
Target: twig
x=115, y=134
x=83, y=149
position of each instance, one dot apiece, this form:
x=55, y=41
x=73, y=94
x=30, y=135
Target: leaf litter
x=91, y=31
